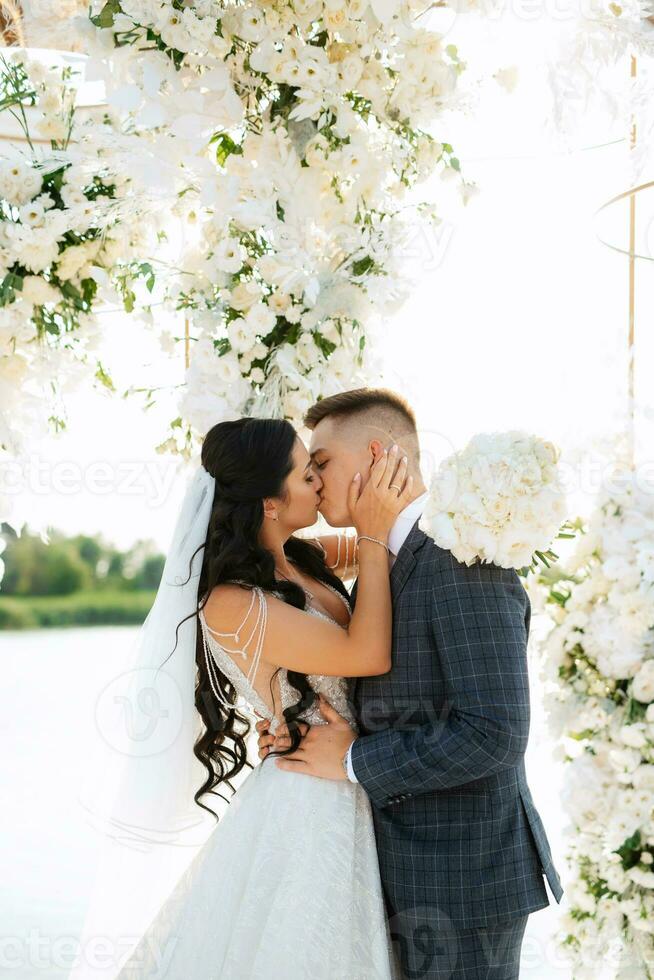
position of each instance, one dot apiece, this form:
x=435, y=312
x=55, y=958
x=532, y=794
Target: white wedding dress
x=287, y=885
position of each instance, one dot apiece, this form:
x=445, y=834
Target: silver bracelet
x=366, y=537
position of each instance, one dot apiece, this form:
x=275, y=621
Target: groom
x=442, y=736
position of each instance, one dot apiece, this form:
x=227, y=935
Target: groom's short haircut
x=376, y=408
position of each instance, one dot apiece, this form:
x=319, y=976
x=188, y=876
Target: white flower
x=36, y=290
x=504, y=499
x=589, y=791
x=260, y=318
x=642, y=687
x=229, y=255
x=633, y=736
x=579, y=897
x=642, y=877
x=240, y=335
x=75, y=258
x=244, y=294
x=19, y=183
x=624, y=760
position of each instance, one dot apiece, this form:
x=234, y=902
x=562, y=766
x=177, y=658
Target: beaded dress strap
x=259, y=629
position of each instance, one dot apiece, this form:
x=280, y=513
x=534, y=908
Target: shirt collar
x=405, y=521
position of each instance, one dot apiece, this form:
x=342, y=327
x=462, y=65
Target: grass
x=97, y=608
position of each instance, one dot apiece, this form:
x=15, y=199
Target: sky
x=519, y=320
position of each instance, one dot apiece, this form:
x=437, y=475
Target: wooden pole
x=11, y=24
x=631, y=387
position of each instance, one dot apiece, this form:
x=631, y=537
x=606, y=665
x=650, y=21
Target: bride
x=287, y=884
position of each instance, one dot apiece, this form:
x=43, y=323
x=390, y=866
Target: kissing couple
x=389, y=831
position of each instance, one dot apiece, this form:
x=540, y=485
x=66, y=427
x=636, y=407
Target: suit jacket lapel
x=402, y=568
x=406, y=560
x=403, y=565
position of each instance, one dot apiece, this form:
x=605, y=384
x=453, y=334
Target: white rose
x=625, y=760
x=229, y=255
x=442, y=529
x=36, y=290
x=633, y=735
x=279, y=301
x=641, y=877
x=242, y=296
x=227, y=369
x=616, y=878
x=579, y=897
x=19, y=183
x=260, y=319
x=642, y=687
x=307, y=351
x=240, y=335
x=36, y=255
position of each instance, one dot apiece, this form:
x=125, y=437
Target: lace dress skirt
x=286, y=886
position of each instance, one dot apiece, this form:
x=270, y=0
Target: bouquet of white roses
x=500, y=500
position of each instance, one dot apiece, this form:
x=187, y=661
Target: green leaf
x=636, y=711
x=106, y=16
x=361, y=266
x=630, y=850
x=222, y=346
x=104, y=378
x=225, y=147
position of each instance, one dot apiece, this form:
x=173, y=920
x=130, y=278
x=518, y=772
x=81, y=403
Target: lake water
x=50, y=682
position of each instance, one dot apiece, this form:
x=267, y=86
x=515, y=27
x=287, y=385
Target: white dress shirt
x=398, y=535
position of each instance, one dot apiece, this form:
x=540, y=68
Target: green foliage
x=149, y=574
x=106, y=16
x=630, y=851
x=68, y=565
x=225, y=147
x=79, y=609
x=34, y=568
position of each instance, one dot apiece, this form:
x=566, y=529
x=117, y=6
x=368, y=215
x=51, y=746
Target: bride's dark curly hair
x=250, y=459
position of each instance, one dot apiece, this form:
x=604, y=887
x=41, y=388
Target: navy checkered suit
x=441, y=751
